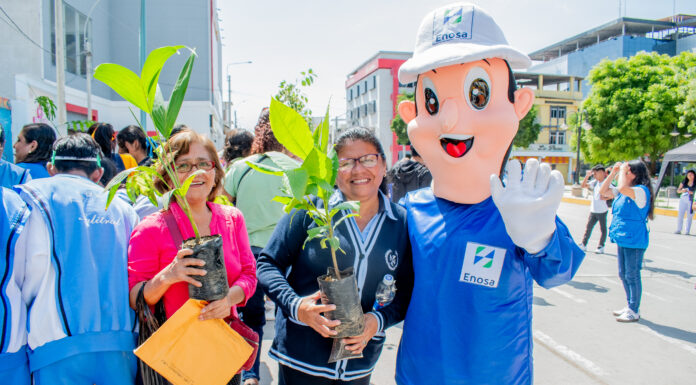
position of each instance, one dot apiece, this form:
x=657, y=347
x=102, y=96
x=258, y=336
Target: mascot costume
x=477, y=244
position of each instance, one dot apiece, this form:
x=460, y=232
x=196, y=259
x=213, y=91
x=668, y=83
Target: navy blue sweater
x=288, y=272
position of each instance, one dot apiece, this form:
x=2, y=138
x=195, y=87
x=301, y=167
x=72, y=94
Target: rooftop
x=662, y=29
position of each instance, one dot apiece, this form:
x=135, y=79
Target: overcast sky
x=283, y=38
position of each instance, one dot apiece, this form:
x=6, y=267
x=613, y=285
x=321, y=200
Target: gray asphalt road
x=576, y=339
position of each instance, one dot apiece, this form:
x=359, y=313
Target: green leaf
x=291, y=129
x=181, y=191
x=315, y=232
x=335, y=243
x=166, y=199
x=282, y=199
x=298, y=182
x=283, y=161
x=223, y=200
x=334, y=167
x=264, y=168
x=152, y=69
x=318, y=164
x=338, y=222
x=321, y=133
x=178, y=93
x=159, y=112
x=352, y=206
x=124, y=82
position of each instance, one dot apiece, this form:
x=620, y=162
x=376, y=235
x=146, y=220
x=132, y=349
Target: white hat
x=458, y=33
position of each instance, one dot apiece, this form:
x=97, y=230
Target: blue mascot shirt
x=470, y=316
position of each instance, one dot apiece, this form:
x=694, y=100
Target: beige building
x=557, y=97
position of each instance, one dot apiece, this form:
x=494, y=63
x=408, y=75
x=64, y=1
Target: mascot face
x=464, y=125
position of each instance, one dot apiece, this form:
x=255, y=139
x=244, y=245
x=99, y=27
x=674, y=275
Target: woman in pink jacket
x=154, y=260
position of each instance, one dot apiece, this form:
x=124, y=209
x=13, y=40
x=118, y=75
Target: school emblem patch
x=392, y=259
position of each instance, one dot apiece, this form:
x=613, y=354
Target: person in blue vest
x=10, y=174
x=14, y=365
x=634, y=203
x=81, y=327
x=478, y=246
x=33, y=148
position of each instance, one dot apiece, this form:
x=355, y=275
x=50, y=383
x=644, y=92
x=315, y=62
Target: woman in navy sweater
x=375, y=243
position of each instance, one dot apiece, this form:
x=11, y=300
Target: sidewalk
x=663, y=206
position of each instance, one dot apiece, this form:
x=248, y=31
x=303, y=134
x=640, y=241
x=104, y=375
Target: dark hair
x=264, y=140
x=103, y=134
x=180, y=145
x=362, y=134
x=642, y=177
x=177, y=129
x=599, y=167
x=132, y=134
x=78, y=145
x=414, y=153
x=237, y=144
x=44, y=136
x=2, y=134
x=685, y=182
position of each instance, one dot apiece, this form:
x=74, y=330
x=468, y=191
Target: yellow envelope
x=187, y=351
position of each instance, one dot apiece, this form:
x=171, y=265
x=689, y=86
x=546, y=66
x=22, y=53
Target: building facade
x=29, y=68
x=372, y=90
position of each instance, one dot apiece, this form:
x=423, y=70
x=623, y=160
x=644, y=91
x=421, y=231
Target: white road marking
x=571, y=356
x=659, y=259
x=568, y=295
x=672, y=341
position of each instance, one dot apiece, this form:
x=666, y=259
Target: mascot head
x=467, y=106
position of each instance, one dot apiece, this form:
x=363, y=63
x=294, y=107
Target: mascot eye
x=477, y=88
x=431, y=102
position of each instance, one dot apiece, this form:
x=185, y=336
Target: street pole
x=229, y=101
x=577, y=159
x=60, y=66
x=143, y=47
x=88, y=59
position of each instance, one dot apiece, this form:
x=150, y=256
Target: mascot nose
x=449, y=115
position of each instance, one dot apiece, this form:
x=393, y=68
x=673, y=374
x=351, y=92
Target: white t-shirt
x=597, y=204
x=641, y=200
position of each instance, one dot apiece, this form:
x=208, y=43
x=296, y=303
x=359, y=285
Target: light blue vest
x=89, y=254
x=13, y=215
x=629, y=222
x=11, y=174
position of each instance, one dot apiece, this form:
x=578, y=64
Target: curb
x=586, y=202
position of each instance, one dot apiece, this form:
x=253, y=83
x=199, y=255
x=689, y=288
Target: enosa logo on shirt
x=482, y=264
x=453, y=24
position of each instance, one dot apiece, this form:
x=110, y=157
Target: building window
x=357, y=91
x=558, y=113
x=357, y=113
x=365, y=87
x=73, y=28
x=556, y=137
x=374, y=82
x=364, y=108
x=373, y=106
x=349, y=94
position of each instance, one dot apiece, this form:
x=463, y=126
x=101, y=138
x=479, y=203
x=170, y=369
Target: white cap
x=458, y=33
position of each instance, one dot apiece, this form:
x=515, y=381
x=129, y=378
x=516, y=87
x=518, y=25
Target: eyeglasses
x=368, y=161
x=205, y=165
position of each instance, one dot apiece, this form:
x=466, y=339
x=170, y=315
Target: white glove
x=529, y=207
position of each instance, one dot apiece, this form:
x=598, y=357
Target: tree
x=632, y=107
x=292, y=96
x=529, y=128
x=397, y=125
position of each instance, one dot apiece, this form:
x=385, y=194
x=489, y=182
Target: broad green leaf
x=152, y=69
x=335, y=243
x=159, y=112
x=222, y=200
x=334, y=167
x=178, y=93
x=338, y=222
x=321, y=133
x=283, y=161
x=264, y=168
x=317, y=164
x=181, y=191
x=282, y=199
x=167, y=199
x=124, y=82
x=291, y=129
x=321, y=183
x=298, y=182
x=353, y=206
x=118, y=179
x=315, y=232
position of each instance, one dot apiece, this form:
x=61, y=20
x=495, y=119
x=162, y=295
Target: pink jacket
x=151, y=249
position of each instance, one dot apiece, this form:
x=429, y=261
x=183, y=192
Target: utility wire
x=18, y=29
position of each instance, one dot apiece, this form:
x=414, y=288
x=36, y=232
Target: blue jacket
x=11, y=174
x=36, y=170
x=84, y=306
x=470, y=316
x=629, y=222
x=13, y=312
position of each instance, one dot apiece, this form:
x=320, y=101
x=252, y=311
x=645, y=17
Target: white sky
x=283, y=38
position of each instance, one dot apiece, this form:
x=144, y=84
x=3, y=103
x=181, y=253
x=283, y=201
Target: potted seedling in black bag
x=144, y=93
x=309, y=187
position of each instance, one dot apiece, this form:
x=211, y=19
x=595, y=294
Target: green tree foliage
x=633, y=106
x=291, y=94
x=398, y=126
x=687, y=110
x=529, y=129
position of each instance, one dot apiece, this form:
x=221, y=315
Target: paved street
x=576, y=339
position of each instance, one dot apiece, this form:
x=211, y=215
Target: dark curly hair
x=264, y=140
x=237, y=144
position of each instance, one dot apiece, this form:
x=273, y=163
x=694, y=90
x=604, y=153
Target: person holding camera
x=599, y=207
x=633, y=205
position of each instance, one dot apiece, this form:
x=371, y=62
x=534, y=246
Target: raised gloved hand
x=529, y=206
